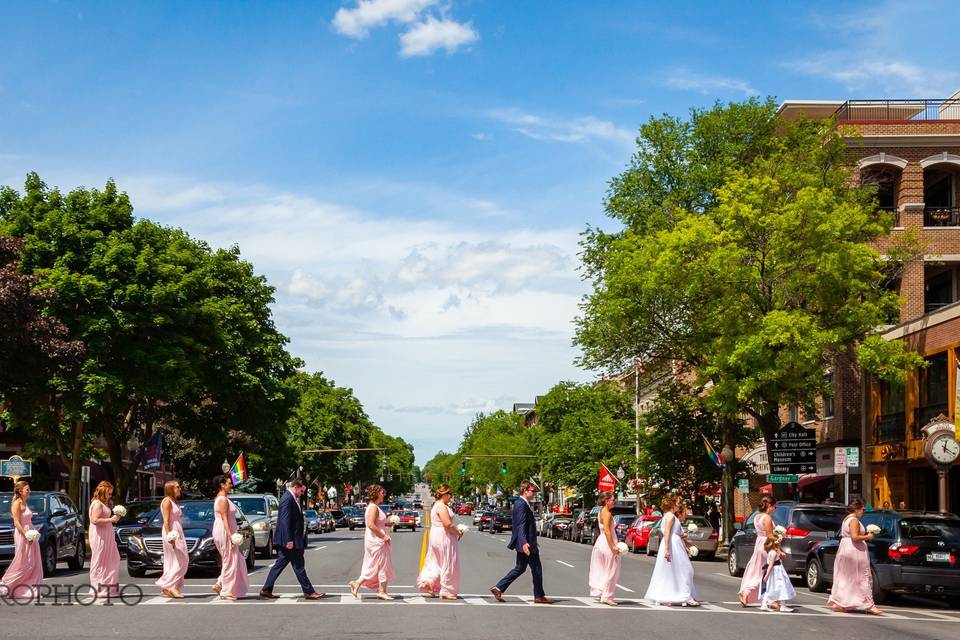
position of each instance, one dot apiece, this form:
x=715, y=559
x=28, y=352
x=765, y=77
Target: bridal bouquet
x=237, y=539
x=872, y=528
x=622, y=547
x=693, y=551
x=393, y=519
x=692, y=527
x=171, y=536
x=32, y=535
x=779, y=531
x=120, y=510
x=462, y=528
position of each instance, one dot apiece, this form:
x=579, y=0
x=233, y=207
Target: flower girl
x=776, y=588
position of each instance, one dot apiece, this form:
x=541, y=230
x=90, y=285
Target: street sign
x=782, y=478
x=839, y=460
x=16, y=467
x=853, y=457
x=794, y=450
x=743, y=485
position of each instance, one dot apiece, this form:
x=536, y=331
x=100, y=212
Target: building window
x=828, y=399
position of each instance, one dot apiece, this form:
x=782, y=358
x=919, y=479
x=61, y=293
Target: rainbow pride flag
x=238, y=473
x=712, y=453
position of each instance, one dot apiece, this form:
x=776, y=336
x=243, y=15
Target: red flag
x=606, y=482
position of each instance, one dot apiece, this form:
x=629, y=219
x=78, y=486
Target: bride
x=672, y=579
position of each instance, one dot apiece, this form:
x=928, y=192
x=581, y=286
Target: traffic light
x=463, y=467
x=503, y=468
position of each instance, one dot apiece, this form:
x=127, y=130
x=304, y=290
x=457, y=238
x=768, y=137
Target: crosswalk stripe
x=480, y=600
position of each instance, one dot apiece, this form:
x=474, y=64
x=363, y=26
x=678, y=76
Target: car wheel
x=880, y=596
x=49, y=556
x=136, y=573
x=732, y=567
x=814, y=576
x=649, y=549
x=76, y=560
x=351, y=528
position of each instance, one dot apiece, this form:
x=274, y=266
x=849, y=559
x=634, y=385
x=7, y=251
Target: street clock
x=941, y=448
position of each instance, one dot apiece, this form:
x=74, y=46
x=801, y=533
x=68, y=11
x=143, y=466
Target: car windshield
x=36, y=504
x=337, y=514
x=251, y=506
x=818, y=519
x=626, y=520
x=191, y=513
x=310, y=513
x=700, y=521
x=138, y=512
x=930, y=528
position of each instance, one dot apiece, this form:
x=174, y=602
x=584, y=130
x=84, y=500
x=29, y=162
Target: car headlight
x=207, y=543
x=261, y=526
x=137, y=541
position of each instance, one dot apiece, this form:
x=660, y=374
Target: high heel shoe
x=216, y=588
x=383, y=595
x=355, y=589
x=166, y=593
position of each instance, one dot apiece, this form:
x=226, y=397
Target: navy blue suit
x=524, y=532
x=289, y=529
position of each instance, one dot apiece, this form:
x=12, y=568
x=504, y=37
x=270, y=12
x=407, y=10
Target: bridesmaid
x=377, y=569
x=175, y=557
x=672, y=579
x=440, y=575
x=25, y=574
x=852, y=581
x=605, y=559
x=753, y=573
x=104, y=555
x=233, y=582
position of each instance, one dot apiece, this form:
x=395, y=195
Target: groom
x=523, y=540
x=288, y=539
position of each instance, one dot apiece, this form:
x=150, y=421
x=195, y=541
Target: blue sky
x=412, y=175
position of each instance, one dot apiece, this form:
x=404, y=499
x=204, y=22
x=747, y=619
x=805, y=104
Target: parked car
x=60, y=525
x=261, y=510
x=465, y=509
x=311, y=518
x=705, y=538
x=622, y=522
x=501, y=521
x=590, y=528
x=139, y=513
x=355, y=518
x=572, y=533
x=805, y=524
x=476, y=517
x=558, y=525
x=915, y=552
x=145, y=548
x=327, y=523
x=408, y=520
x=340, y=517
x=486, y=520
x=638, y=533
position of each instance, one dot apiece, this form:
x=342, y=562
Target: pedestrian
x=852, y=580
x=886, y=505
x=672, y=579
x=714, y=517
x=605, y=559
x=176, y=560
x=440, y=576
x=24, y=575
x=902, y=506
x=752, y=574
x=776, y=586
x=233, y=582
x=288, y=539
x=104, y=555
x=523, y=540
x=377, y=569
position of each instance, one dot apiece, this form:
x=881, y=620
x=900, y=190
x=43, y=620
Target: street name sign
x=782, y=478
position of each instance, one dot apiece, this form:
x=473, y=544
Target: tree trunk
x=727, y=494
x=115, y=439
x=769, y=425
x=74, y=480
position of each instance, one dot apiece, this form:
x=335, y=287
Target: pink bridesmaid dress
x=233, y=579
x=377, y=555
x=25, y=574
x=852, y=582
x=753, y=573
x=104, y=555
x=604, y=568
x=175, y=557
x=441, y=567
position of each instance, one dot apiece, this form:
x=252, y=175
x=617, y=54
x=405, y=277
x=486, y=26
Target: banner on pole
x=151, y=452
x=606, y=481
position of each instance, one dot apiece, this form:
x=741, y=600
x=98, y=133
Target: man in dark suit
x=523, y=540
x=288, y=539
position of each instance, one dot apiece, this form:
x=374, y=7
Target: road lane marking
x=591, y=602
x=627, y=589
x=566, y=564
x=319, y=548
x=423, y=545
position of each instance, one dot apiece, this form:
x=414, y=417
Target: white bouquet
x=237, y=538
x=32, y=535
x=692, y=527
x=872, y=528
x=779, y=531
x=394, y=519
x=693, y=551
x=622, y=547
x=462, y=528
x=171, y=536
x=120, y=510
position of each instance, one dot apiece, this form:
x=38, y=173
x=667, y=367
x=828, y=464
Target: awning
x=813, y=483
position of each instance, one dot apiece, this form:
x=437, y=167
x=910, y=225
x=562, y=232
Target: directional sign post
x=794, y=450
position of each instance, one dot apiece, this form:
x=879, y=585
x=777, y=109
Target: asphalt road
x=334, y=558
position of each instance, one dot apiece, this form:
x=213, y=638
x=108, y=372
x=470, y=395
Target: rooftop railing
x=899, y=110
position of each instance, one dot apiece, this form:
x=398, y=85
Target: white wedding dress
x=672, y=582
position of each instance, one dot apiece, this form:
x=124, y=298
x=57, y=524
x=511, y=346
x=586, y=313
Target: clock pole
x=942, y=477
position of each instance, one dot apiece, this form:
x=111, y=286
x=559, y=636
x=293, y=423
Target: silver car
x=261, y=510
x=704, y=538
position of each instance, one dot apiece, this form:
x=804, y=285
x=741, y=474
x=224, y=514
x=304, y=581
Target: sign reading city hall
x=794, y=450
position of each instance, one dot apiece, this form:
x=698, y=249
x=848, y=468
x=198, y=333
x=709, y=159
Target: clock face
x=945, y=449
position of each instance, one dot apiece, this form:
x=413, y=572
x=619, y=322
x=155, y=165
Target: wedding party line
x=765, y=581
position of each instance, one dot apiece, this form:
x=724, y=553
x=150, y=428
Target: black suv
x=60, y=526
x=805, y=524
x=139, y=513
x=591, y=525
x=915, y=552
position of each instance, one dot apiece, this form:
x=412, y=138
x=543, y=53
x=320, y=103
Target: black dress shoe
x=268, y=595
x=497, y=594
x=314, y=596
x=543, y=600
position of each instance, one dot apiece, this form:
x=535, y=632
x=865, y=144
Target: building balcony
x=899, y=110
x=891, y=427
x=923, y=416
x=941, y=217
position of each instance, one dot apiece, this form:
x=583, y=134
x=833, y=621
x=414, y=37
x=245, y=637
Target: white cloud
x=706, y=84
x=858, y=73
x=481, y=136
x=431, y=34
x=579, y=129
x=370, y=14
